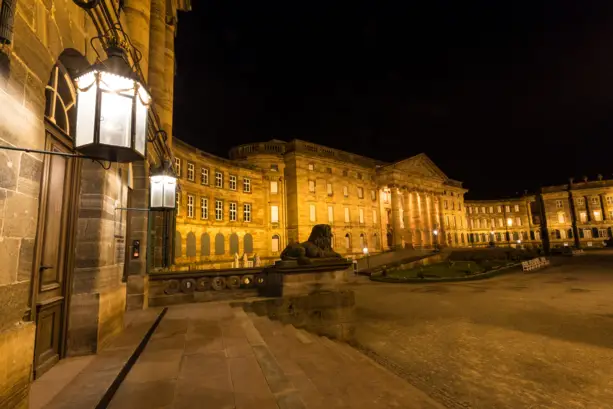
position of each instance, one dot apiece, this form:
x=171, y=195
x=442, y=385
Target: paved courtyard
x=537, y=340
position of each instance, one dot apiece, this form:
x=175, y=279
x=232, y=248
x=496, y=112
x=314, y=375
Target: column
x=410, y=224
x=428, y=199
x=137, y=14
x=603, y=206
x=396, y=222
x=442, y=230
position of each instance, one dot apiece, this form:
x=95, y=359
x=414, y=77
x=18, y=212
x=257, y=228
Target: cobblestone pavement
x=537, y=340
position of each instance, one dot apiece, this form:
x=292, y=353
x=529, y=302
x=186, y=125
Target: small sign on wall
x=120, y=250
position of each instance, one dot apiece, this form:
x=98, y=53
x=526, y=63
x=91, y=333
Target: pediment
x=420, y=165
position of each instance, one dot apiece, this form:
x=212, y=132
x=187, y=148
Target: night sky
x=502, y=95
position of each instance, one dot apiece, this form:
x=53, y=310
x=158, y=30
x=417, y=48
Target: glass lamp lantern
x=112, y=111
x=163, y=189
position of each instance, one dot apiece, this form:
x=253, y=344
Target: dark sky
x=503, y=95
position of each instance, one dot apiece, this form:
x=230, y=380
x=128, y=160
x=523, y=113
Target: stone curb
x=482, y=276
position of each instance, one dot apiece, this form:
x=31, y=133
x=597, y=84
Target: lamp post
x=435, y=232
x=365, y=251
x=492, y=238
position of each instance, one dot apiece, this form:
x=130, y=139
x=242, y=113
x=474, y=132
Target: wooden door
x=54, y=240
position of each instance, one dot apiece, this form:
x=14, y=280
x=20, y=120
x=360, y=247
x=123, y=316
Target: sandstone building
x=68, y=270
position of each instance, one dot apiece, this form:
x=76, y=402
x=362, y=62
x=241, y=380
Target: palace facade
x=369, y=204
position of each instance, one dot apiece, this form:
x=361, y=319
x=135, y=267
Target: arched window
x=233, y=244
x=515, y=236
x=178, y=252
x=275, y=244
x=219, y=244
x=362, y=241
x=248, y=243
x=348, y=241
x=60, y=102
x=462, y=237
x=205, y=245
x=377, y=242
x=190, y=247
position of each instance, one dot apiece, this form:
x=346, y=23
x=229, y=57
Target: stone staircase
x=218, y=356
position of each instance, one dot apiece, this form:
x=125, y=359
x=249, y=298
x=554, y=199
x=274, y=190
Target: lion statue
x=319, y=245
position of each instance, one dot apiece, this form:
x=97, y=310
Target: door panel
x=49, y=295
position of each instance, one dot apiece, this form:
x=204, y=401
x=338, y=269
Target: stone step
x=336, y=374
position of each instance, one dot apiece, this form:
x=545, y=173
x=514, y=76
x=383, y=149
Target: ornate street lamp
x=112, y=110
x=163, y=188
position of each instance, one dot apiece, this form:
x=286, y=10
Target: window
x=345, y=191
x=311, y=166
x=478, y=222
x=328, y=170
x=204, y=176
x=274, y=167
x=360, y=193
x=445, y=204
x=485, y=225
x=347, y=241
x=561, y=218
x=587, y=233
x=329, y=188
x=559, y=204
x=247, y=212
x=509, y=222
x=483, y=209
x=597, y=215
x=178, y=167
x=312, y=213
x=500, y=222
x=178, y=200
x=359, y=176
x=583, y=217
x=517, y=208
x=232, y=182
x=347, y=219
x=518, y=221
x=330, y=214
x=361, y=214
x=204, y=208
x=455, y=221
x=537, y=235
x=610, y=200
x=274, y=187
x=452, y=205
x=493, y=223
x=345, y=173
x=190, y=171
x=190, y=206
x=476, y=210
x=491, y=209
x=362, y=241
x=232, y=211
x=447, y=221
x=246, y=185
x=374, y=216
x=507, y=208
x=499, y=209
x=594, y=200
x=274, y=214
x=602, y=233
x=275, y=244
x=312, y=186
x=470, y=210
x=218, y=210
x=581, y=201
x=218, y=179
x=373, y=194
x=610, y=214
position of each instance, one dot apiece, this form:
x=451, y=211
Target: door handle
x=41, y=268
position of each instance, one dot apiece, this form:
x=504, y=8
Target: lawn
x=447, y=269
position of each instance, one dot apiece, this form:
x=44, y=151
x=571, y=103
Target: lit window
x=493, y=223
x=330, y=214
x=311, y=166
x=361, y=213
x=610, y=214
x=329, y=188
x=581, y=201
x=594, y=200
x=374, y=216
x=476, y=210
x=204, y=176
x=218, y=179
x=483, y=209
x=561, y=218
x=232, y=182
x=204, y=208
x=516, y=208
x=312, y=213
x=583, y=217
x=361, y=193
x=587, y=233
x=559, y=204
x=232, y=211
x=345, y=191
x=470, y=210
x=274, y=186
x=518, y=221
x=246, y=185
x=178, y=167
x=347, y=219
x=500, y=222
x=537, y=235
x=485, y=224
x=373, y=194
x=247, y=212
x=190, y=171
x=478, y=222
x=275, y=244
x=454, y=221
x=347, y=241
x=452, y=205
x=509, y=222
x=447, y=221
x=362, y=241
x=491, y=209
x=602, y=233
x=218, y=210
x=274, y=167
x=562, y=234
x=597, y=215
x=312, y=186
x=507, y=208
x=610, y=200
x=499, y=208
x=445, y=204
x=190, y=206
x=274, y=214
